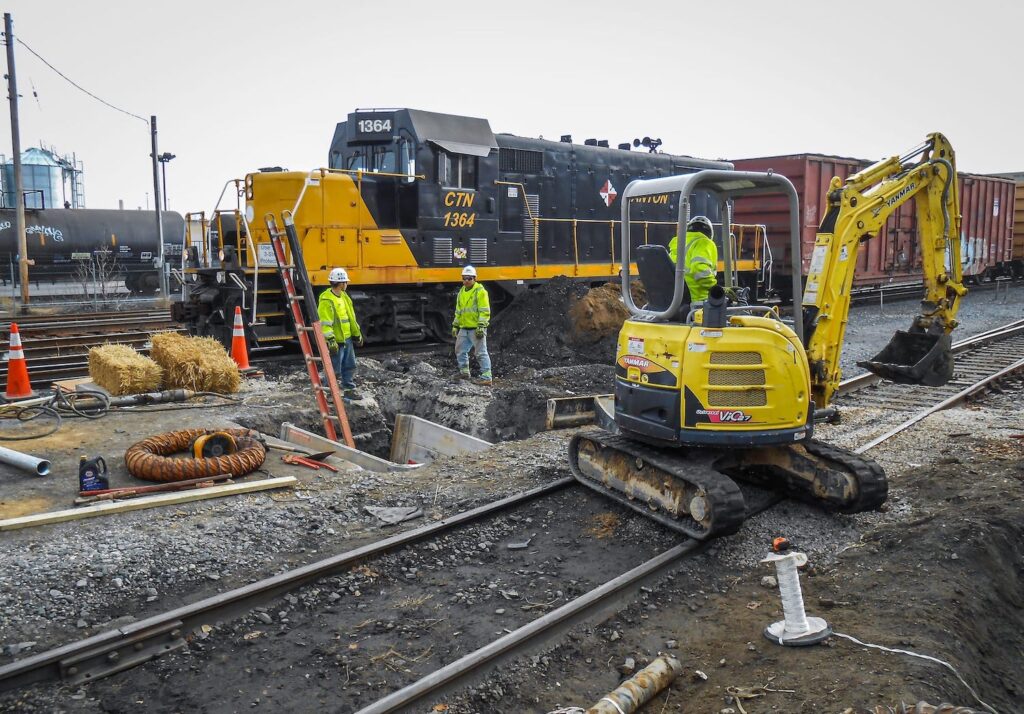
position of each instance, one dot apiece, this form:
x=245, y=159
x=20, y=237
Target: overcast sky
x=240, y=85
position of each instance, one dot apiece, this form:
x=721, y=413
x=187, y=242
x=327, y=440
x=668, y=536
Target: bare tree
x=100, y=277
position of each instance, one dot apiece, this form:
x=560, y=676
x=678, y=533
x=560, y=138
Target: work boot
x=485, y=380
x=464, y=374
x=351, y=393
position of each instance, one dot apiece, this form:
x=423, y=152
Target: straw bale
x=121, y=370
x=197, y=363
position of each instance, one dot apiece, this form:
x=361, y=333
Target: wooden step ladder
x=307, y=322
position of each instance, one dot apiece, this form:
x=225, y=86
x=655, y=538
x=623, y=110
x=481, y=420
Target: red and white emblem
x=608, y=193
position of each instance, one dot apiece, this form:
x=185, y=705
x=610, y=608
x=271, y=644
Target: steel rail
x=125, y=647
x=553, y=621
x=944, y=404
x=994, y=335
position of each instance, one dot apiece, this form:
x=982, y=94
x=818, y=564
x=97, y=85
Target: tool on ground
x=159, y=487
x=114, y=494
x=92, y=474
x=307, y=462
x=797, y=629
x=307, y=322
x=707, y=392
x=25, y=462
x=215, y=444
x=18, y=384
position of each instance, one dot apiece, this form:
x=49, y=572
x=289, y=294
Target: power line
x=78, y=86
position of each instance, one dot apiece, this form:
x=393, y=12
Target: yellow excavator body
x=744, y=383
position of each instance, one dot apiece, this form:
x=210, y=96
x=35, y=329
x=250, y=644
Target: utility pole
x=19, y=197
x=156, y=202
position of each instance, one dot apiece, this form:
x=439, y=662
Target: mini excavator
x=709, y=392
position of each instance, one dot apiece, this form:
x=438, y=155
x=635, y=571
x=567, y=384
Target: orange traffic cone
x=18, y=386
x=238, y=351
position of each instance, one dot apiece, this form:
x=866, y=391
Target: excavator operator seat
x=658, y=273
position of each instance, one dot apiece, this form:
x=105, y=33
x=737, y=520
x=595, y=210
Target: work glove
x=455, y=331
x=360, y=343
x=332, y=345
x=732, y=295
x=480, y=332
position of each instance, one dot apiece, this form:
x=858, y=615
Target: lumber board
x=135, y=504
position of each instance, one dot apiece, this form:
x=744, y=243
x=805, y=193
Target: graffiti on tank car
x=45, y=232
x=724, y=416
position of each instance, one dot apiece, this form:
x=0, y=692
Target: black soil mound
x=554, y=324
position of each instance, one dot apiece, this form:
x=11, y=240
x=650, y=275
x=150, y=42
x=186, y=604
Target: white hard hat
x=698, y=222
x=469, y=272
x=338, y=275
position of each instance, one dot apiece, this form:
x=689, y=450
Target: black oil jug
x=92, y=474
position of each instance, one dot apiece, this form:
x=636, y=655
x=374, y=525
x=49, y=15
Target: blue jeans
x=467, y=340
x=344, y=361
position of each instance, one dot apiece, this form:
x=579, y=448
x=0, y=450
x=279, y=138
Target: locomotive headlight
x=220, y=255
x=221, y=276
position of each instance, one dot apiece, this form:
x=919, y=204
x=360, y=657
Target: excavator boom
x=857, y=211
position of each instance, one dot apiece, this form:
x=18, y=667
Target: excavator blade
x=914, y=358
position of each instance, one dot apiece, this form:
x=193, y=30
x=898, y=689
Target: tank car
x=67, y=244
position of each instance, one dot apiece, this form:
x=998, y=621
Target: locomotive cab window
x=456, y=170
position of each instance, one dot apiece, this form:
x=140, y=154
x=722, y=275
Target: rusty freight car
x=891, y=258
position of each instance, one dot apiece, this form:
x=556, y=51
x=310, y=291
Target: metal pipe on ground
x=26, y=462
x=641, y=688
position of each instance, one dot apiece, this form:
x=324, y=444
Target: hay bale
x=197, y=363
x=121, y=370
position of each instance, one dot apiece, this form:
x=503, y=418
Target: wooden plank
x=135, y=504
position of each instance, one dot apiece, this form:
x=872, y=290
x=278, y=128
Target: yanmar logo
x=720, y=416
x=634, y=361
x=902, y=193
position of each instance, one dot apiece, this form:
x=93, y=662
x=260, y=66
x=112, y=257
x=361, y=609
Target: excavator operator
x=701, y=257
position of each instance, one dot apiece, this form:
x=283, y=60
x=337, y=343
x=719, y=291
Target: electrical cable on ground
x=947, y=665
x=86, y=404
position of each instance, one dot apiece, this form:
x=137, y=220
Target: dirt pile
x=560, y=322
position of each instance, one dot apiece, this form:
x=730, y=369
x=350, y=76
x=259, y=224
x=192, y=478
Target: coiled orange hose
x=151, y=460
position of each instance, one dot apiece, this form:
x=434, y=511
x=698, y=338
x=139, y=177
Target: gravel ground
x=70, y=580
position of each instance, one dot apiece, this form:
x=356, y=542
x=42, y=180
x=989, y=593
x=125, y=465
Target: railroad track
x=122, y=648
x=57, y=346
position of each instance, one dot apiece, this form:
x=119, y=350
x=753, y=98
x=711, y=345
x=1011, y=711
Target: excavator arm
x=857, y=211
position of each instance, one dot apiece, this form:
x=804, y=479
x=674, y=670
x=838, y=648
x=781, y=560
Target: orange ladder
x=332, y=411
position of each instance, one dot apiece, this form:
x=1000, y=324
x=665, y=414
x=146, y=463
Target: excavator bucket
x=914, y=358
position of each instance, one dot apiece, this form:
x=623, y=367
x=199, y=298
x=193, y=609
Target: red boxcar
x=892, y=257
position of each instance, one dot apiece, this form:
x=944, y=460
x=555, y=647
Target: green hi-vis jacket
x=472, y=308
x=701, y=263
x=337, y=316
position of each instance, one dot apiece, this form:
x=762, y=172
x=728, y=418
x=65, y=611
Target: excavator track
x=872, y=486
x=813, y=471
x=681, y=489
